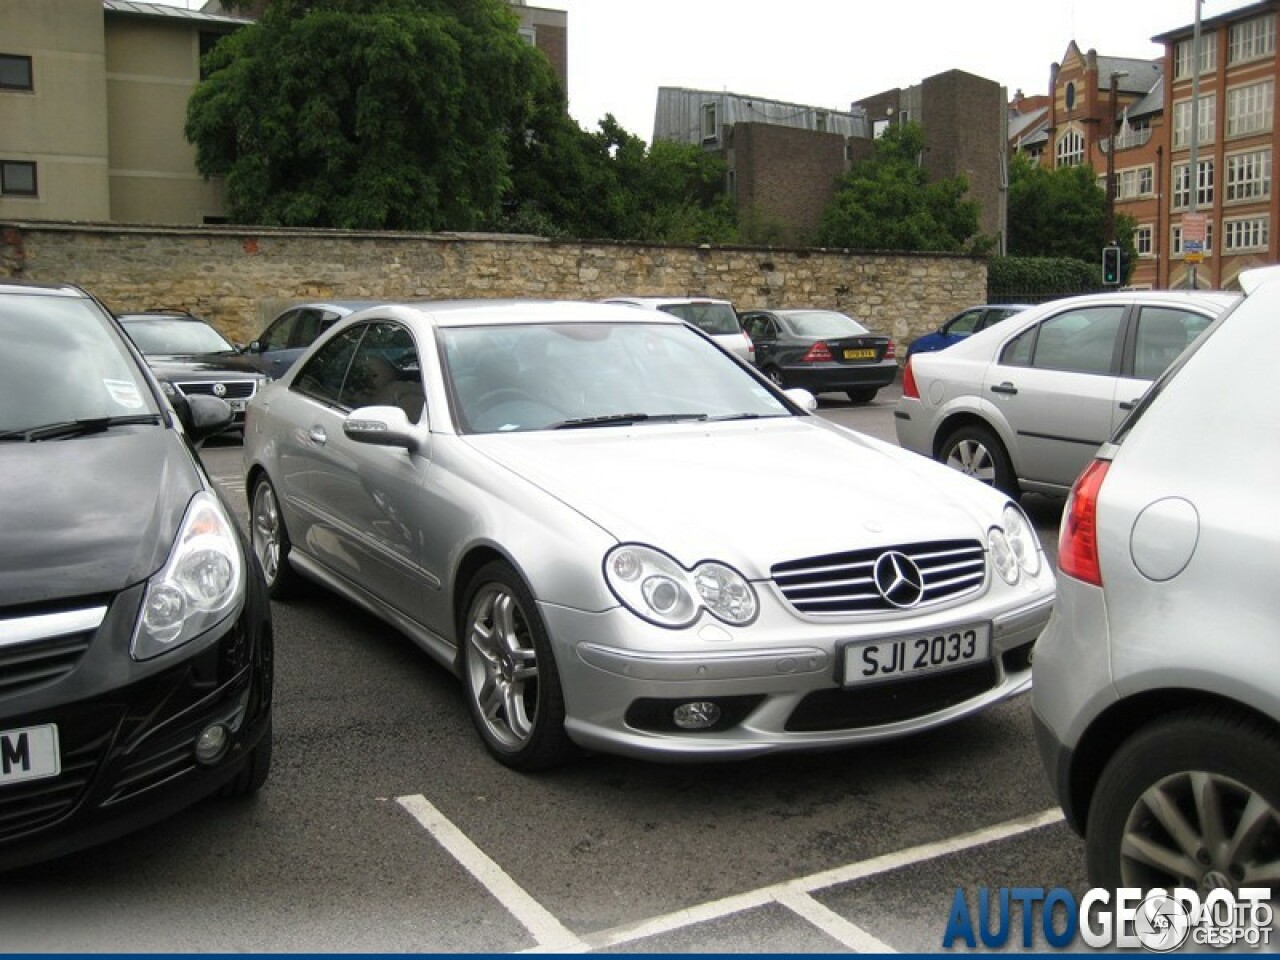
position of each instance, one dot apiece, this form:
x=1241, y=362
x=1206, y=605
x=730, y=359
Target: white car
x=716, y=318
x=1157, y=682
x=549, y=498
x=1024, y=404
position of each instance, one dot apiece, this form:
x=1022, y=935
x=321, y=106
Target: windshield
x=61, y=360
x=823, y=323
x=712, y=318
x=557, y=376
x=175, y=338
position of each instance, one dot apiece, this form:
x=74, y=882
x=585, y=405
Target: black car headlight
x=654, y=586
x=200, y=584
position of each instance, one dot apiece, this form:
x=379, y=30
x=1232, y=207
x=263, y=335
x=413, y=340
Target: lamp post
x=1111, y=156
x=1193, y=167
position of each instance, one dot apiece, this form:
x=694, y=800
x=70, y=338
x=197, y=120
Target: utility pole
x=1193, y=169
x=1111, y=156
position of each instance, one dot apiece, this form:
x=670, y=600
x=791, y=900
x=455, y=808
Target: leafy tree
x=368, y=113
x=1061, y=213
x=887, y=202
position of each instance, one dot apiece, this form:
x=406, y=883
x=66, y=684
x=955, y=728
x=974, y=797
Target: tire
x=512, y=685
x=977, y=452
x=271, y=544
x=253, y=775
x=775, y=377
x=1231, y=763
x=862, y=395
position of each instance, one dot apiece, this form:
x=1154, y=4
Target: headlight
x=1002, y=556
x=654, y=586
x=198, y=586
x=1022, y=539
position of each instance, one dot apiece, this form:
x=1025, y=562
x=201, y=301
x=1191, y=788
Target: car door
x=1157, y=336
x=763, y=331
x=363, y=494
x=268, y=349
x=1055, y=385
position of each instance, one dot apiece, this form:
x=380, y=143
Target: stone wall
x=238, y=278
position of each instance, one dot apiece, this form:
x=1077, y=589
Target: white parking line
x=795, y=895
x=549, y=932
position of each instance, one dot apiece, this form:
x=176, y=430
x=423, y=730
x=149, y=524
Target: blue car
x=962, y=324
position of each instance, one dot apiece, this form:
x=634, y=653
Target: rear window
x=712, y=318
x=824, y=323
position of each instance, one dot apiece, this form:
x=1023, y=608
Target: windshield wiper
x=614, y=419
x=77, y=428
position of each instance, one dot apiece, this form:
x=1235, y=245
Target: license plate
x=29, y=753
x=897, y=657
x=859, y=354
x=236, y=405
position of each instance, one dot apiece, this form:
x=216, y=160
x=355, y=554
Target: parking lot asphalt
x=385, y=827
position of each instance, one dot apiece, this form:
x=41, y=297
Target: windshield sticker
x=124, y=393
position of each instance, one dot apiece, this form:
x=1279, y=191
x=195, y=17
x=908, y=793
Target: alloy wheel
x=502, y=666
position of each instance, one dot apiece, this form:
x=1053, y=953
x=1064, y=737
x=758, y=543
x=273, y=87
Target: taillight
x=751, y=347
x=888, y=351
x=909, y=388
x=818, y=353
x=1078, y=538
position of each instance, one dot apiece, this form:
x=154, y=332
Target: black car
x=822, y=351
x=135, y=630
x=191, y=358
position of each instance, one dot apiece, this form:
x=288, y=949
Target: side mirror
x=381, y=427
x=802, y=398
x=203, y=416
x=254, y=346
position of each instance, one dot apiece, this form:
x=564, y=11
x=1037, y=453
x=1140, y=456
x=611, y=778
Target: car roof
x=466, y=313
x=655, y=302
x=145, y=316
x=34, y=289
x=338, y=306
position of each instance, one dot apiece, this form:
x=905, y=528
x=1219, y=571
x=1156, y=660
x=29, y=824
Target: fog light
x=699, y=715
x=212, y=744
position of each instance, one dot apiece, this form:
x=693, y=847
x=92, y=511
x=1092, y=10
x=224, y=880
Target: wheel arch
x=969, y=417
x=1112, y=728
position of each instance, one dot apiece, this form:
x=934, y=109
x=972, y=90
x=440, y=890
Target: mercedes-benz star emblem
x=219, y=389
x=898, y=579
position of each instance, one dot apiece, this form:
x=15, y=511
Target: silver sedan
x=1024, y=404
x=624, y=539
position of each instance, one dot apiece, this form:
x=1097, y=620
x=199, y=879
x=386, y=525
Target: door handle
x=317, y=436
x=1128, y=404
x=1006, y=388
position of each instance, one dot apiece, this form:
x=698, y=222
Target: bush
x=1036, y=279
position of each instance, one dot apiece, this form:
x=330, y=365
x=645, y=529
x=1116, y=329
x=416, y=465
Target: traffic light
x=1111, y=269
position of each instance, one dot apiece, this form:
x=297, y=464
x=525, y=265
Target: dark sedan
x=135, y=630
x=822, y=351
x=190, y=358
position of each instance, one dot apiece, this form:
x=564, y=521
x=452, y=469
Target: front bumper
x=776, y=684
x=127, y=731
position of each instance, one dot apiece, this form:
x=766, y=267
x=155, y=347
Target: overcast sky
x=828, y=53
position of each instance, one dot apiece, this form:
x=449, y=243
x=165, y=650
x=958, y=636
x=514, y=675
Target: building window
x=820, y=121
x=1070, y=149
x=1248, y=233
x=1252, y=39
x=15, y=72
x=1175, y=245
x=1135, y=182
x=1249, y=175
x=17, y=178
x=710, y=129
x=1143, y=240
x=1182, y=121
x=1249, y=108
x=1182, y=185
x=1182, y=65
x=529, y=35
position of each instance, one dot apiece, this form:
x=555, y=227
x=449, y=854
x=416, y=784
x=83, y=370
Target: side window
x=276, y=336
x=306, y=329
x=759, y=327
x=1163, y=333
x=964, y=324
x=385, y=371
x=323, y=375
x=1079, y=341
x=992, y=317
x=1017, y=352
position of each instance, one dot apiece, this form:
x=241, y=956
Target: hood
x=208, y=366
x=751, y=494
x=90, y=515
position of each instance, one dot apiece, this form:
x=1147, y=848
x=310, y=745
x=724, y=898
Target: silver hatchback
x=549, y=499
x=1157, y=682
x=1023, y=405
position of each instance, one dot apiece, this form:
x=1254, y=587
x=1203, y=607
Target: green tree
x=369, y=113
x=887, y=202
x=1061, y=213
